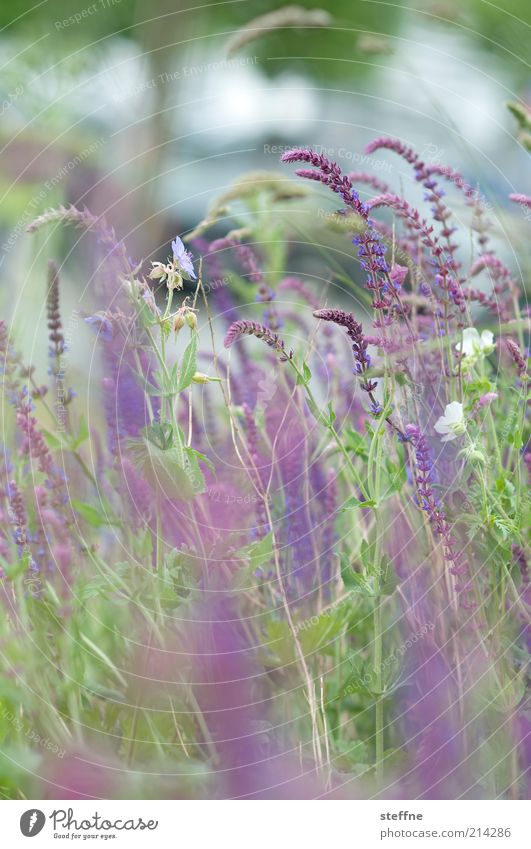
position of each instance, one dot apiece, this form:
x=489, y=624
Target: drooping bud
x=184, y=315
x=158, y=272
x=178, y=321
x=191, y=319
x=200, y=377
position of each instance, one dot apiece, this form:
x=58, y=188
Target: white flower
x=452, y=424
x=474, y=345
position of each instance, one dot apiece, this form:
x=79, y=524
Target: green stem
x=379, y=707
x=378, y=633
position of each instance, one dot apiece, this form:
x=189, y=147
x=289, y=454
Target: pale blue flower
x=182, y=258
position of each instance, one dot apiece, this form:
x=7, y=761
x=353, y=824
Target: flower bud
x=474, y=455
x=178, y=322
x=191, y=319
x=200, y=377
x=157, y=272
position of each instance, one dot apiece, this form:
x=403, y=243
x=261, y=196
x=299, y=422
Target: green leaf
x=367, y=554
x=98, y=652
x=18, y=568
x=320, y=632
x=360, y=584
x=104, y=693
x=254, y=555
x=355, y=502
x=355, y=443
x=201, y=457
x=314, y=409
x=92, y=516
x=188, y=367
x=521, y=113
x=55, y=443
x=304, y=379
x=174, y=470
x=259, y=552
x=389, y=585
x=165, y=328
x=320, y=415
x=351, y=579
x=160, y=434
x=150, y=389
x=83, y=434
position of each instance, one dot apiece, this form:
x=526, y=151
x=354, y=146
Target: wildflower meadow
x=263, y=546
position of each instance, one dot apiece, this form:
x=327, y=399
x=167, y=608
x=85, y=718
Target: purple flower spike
x=523, y=200
x=355, y=334
x=183, y=258
x=428, y=501
x=253, y=328
x=329, y=174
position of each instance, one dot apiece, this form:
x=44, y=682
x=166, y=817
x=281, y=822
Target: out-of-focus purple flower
x=78, y=774
x=101, y=325
x=368, y=179
x=427, y=500
x=262, y=525
x=18, y=517
x=398, y=274
x=183, y=258
x=487, y=399
x=124, y=401
x=149, y=299
x=438, y=768
x=523, y=200
x=516, y=356
x=245, y=254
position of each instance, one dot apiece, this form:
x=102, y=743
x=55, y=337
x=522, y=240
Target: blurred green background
x=139, y=109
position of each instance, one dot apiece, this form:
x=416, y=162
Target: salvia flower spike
x=253, y=328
